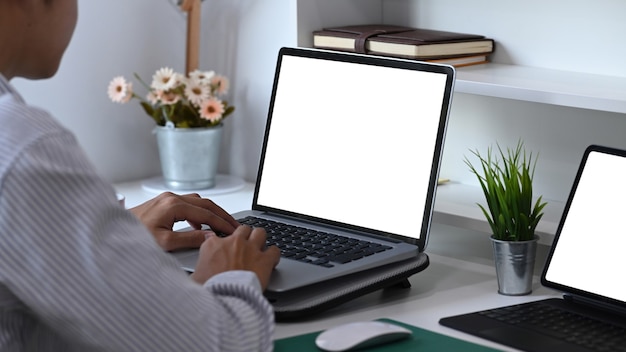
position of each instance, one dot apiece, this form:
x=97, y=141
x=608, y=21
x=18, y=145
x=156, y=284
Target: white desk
x=460, y=278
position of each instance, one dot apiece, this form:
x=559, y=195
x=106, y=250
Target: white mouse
x=359, y=335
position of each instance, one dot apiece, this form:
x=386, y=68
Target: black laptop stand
x=307, y=301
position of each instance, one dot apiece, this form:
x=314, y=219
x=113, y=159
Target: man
x=80, y=273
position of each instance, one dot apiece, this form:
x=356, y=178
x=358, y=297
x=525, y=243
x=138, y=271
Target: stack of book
x=456, y=49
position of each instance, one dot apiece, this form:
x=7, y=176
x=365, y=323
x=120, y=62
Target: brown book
x=400, y=41
x=461, y=61
x=352, y=38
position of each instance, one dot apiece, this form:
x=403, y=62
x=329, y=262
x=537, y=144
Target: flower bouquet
x=176, y=100
x=188, y=111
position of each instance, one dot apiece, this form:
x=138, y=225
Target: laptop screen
x=355, y=140
x=587, y=257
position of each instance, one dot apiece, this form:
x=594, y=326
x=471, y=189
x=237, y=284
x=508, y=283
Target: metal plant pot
x=189, y=156
x=515, y=263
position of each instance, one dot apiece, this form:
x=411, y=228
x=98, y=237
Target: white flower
x=119, y=90
x=164, y=79
x=196, y=92
x=179, y=79
x=204, y=77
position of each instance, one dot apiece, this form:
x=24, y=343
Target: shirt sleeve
x=241, y=277
x=87, y=268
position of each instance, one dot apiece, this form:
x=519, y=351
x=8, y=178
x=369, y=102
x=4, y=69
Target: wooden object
x=192, y=7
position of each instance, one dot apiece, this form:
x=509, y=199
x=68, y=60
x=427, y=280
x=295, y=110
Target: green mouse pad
x=421, y=340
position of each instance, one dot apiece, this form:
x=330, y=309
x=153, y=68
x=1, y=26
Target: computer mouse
x=356, y=335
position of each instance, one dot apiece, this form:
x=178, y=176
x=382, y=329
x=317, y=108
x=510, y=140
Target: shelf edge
x=595, y=92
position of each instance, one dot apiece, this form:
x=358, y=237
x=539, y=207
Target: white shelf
x=455, y=205
x=539, y=85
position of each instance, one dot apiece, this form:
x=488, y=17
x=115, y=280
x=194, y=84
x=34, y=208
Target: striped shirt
x=80, y=273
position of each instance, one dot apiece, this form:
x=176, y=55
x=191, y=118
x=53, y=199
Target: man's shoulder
x=22, y=123
x=23, y=126
x=17, y=116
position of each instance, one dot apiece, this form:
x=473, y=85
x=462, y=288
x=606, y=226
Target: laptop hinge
x=608, y=307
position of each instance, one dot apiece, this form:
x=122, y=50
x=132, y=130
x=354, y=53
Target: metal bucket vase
x=189, y=156
x=515, y=264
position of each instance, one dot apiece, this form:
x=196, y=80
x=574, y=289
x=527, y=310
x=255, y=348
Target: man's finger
x=274, y=253
x=185, y=239
x=243, y=231
x=258, y=236
x=208, y=204
x=196, y=215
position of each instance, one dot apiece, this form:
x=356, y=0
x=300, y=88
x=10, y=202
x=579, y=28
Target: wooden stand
x=192, y=7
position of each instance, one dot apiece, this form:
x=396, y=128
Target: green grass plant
x=506, y=178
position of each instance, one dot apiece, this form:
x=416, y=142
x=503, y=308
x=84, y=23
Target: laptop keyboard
x=566, y=326
x=311, y=246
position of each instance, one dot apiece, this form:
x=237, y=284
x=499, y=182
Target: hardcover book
x=461, y=61
x=400, y=41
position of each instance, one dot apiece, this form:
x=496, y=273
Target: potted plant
x=506, y=178
x=188, y=111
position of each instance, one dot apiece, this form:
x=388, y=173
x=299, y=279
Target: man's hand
x=243, y=250
x=160, y=213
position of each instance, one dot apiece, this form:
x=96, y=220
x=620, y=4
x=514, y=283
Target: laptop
x=352, y=147
x=585, y=262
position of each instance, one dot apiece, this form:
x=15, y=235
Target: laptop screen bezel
x=427, y=215
x=568, y=290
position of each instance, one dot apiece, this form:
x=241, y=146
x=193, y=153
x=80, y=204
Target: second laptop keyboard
x=571, y=327
x=312, y=246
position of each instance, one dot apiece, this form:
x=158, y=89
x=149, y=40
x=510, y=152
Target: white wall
x=240, y=38
x=572, y=35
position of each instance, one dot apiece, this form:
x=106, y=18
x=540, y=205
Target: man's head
x=34, y=35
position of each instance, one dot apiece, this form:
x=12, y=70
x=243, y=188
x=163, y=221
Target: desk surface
x=460, y=279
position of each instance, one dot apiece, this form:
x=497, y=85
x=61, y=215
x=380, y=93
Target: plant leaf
x=506, y=183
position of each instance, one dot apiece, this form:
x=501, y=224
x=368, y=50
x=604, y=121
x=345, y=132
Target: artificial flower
x=197, y=92
x=203, y=76
x=119, y=90
x=220, y=83
x=212, y=109
x=174, y=99
x=164, y=79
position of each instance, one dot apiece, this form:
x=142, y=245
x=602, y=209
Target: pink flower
x=154, y=96
x=129, y=93
x=169, y=98
x=119, y=90
x=220, y=84
x=212, y=109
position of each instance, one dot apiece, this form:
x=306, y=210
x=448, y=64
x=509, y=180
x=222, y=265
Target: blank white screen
x=359, y=142
x=590, y=250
